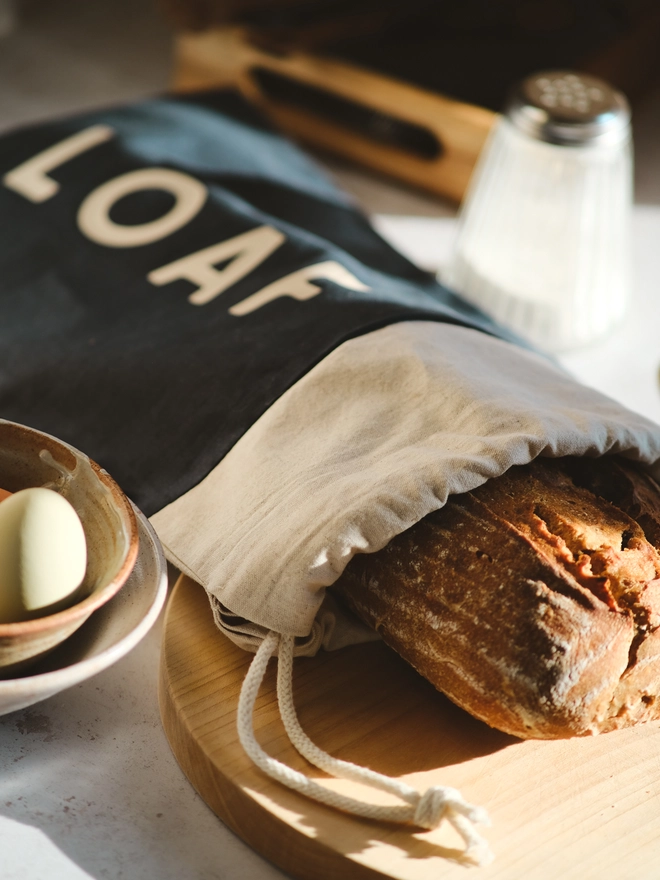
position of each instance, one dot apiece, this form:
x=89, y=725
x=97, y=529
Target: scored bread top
x=533, y=601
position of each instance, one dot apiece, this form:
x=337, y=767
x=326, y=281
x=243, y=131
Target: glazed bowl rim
x=98, y=596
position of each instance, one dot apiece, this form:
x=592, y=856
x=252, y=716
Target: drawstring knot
x=439, y=802
x=433, y=804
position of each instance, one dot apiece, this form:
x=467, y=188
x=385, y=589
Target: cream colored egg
x=43, y=554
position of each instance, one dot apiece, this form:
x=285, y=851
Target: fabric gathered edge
x=420, y=809
x=534, y=410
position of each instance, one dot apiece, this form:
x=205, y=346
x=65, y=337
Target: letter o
x=94, y=213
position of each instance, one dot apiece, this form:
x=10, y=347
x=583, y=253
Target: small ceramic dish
x=107, y=636
x=31, y=458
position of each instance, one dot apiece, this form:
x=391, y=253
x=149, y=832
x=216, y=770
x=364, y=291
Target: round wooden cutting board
x=571, y=809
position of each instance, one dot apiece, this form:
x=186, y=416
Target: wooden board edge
x=225, y=57
x=302, y=857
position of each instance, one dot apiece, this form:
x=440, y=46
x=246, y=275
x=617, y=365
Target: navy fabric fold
x=153, y=386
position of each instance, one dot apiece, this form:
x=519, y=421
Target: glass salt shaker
x=543, y=241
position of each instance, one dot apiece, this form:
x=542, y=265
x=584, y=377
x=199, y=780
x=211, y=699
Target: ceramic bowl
x=107, y=636
x=31, y=458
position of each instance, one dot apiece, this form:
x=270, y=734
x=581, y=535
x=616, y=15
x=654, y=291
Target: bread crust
x=533, y=602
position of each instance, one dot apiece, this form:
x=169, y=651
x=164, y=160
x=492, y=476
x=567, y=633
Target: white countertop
x=89, y=787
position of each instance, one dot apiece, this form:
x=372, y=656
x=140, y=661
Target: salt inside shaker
x=543, y=242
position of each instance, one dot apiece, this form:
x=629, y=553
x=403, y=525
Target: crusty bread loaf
x=533, y=602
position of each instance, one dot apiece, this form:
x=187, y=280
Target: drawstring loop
x=425, y=810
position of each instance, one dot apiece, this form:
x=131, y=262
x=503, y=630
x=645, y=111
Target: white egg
x=43, y=554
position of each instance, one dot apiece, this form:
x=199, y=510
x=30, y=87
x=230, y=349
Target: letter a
x=248, y=250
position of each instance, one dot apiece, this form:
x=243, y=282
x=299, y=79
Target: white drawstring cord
x=425, y=810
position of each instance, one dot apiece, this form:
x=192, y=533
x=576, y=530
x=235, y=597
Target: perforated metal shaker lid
x=569, y=108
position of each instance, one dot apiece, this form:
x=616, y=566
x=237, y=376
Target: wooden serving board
x=573, y=809
x=228, y=56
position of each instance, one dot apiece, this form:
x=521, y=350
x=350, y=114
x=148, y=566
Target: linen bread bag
x=187, y=298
